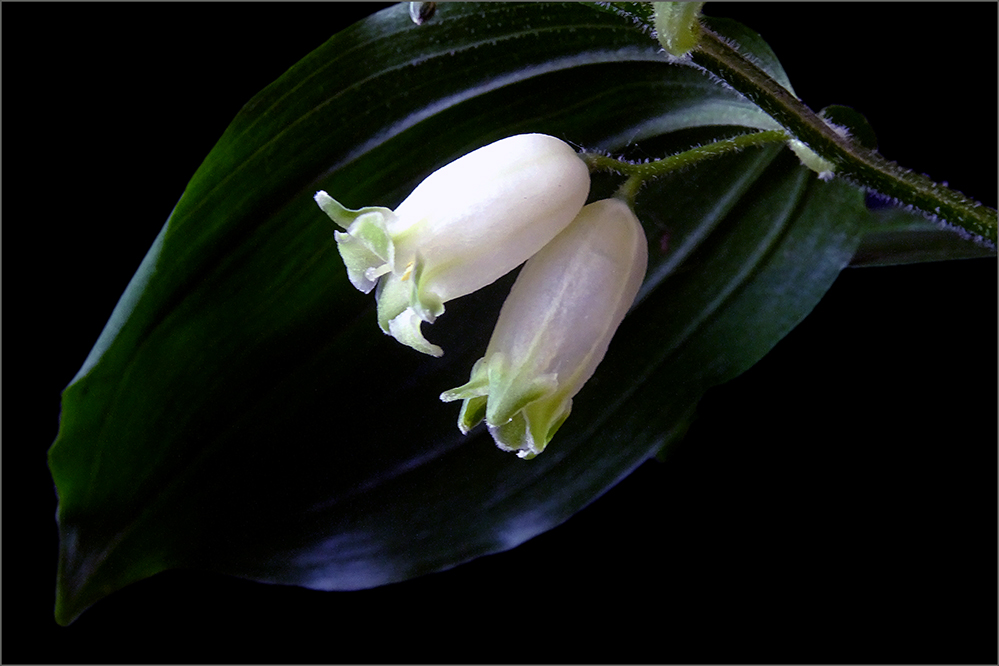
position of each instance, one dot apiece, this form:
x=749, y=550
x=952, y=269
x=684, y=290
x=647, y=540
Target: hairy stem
x=854, y=162
x=643, y=171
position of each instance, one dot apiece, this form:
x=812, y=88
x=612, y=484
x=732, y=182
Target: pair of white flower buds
x=471, y=222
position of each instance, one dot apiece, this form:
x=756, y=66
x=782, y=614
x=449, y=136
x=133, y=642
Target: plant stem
x=854, y=162
x=643, y=171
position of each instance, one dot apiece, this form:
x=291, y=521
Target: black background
x=836, y=503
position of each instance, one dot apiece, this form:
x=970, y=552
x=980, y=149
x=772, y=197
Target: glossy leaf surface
x=242, y=413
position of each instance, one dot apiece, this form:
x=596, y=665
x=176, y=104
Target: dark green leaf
x=898, y=236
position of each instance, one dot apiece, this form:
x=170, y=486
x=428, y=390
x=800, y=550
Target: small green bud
x=678, y=26
x=813, y=160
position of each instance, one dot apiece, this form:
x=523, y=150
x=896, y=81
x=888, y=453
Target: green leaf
x=242, y=413
x=898, y=236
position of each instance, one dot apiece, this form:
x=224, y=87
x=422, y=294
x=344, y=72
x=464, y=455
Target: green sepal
x=529, y=436
x=397, y=318
x=477, y=384
x=517, y=416
x=425, y=303
x=514, y=395
x=474, y=396
x=406, y=329
x=366, y=248
x=473, y=411
x=403, y=307
x=392, y=299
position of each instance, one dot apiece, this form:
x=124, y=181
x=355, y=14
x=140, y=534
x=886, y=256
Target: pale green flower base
x=366, y=248
x=522, y=416
x=368, y=252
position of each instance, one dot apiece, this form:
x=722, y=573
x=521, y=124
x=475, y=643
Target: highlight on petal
x=465, y=226
x=555, y=328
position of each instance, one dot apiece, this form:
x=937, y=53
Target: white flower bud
x=468, y=224
x=554, y=328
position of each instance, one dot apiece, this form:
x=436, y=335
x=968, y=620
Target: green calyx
x=522, y=413
x=368, y=252
x=367, y=249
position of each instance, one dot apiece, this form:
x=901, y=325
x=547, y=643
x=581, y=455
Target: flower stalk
x=640, y=172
